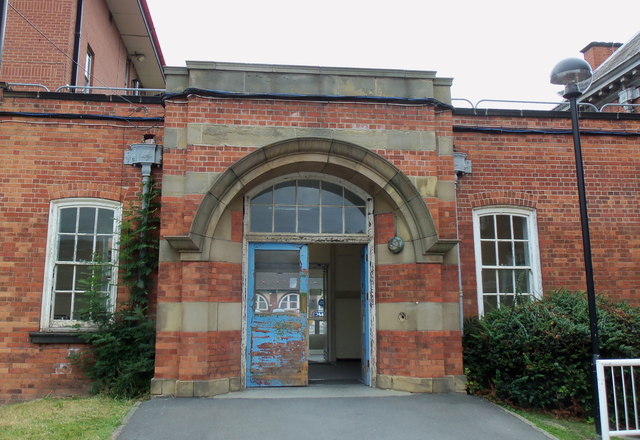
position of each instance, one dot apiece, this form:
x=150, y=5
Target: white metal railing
x=615, y=104
x=588, y=105
x=617, y=396
x=29, y=85
x=117, y=89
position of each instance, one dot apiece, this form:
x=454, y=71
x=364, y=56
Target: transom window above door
x=308, y=206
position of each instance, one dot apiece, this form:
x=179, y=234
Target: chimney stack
x=597, y=52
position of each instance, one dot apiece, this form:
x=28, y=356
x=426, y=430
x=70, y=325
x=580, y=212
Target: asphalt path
x=338, y=414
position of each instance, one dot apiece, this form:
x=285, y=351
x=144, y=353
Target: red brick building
x=311, y=217
x=61, y=157
x=76, y=43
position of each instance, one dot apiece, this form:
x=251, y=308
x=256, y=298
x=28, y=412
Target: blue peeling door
x=277, y=292
x=365, y=345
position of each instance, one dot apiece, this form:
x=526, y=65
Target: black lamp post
x=575, y=75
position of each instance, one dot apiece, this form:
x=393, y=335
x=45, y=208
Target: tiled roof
x=629, y=49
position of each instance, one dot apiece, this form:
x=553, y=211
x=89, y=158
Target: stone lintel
x=253, y=136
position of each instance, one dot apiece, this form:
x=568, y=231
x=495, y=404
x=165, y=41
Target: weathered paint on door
x=364, y=317
x=277, y=346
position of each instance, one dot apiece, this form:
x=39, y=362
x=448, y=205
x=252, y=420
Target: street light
x=575, y=75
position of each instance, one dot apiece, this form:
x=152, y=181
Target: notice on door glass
x=293, y=283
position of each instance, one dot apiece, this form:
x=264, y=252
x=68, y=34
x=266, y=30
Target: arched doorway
x=349, y=166
x=307, y=296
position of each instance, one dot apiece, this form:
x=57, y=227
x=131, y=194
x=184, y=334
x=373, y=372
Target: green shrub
x=538, y=355
x=120, y=361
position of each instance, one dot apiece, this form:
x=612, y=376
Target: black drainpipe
x=76, y=46
x=3, y=24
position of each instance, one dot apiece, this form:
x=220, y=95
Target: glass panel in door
x=277, y=336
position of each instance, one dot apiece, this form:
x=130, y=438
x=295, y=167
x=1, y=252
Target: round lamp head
x=573, y=73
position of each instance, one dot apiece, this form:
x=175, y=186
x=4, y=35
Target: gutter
x=3, y=25
x=144, y=7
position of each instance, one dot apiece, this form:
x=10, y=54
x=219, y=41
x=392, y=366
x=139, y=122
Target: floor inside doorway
x=342, y=371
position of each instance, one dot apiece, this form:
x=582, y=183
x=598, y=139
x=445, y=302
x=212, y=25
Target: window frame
x=309, y=236
x=260, y=297
x=534, y=249
x=287, y=299
x=47, y=322
x=89, y=61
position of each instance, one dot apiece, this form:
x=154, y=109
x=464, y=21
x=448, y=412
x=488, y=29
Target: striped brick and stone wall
x=215, y=145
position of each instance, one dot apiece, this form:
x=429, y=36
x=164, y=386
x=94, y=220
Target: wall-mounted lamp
x=138, y=56
x=395, y=245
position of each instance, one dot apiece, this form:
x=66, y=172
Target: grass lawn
x=562, y=428
x=87, y=418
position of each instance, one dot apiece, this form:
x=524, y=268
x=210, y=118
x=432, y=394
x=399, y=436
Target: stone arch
x=351, y=162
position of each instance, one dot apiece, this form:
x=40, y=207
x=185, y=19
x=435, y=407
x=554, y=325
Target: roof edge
x=152, y=32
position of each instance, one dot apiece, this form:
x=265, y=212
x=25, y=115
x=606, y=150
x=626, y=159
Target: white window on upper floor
x=507, y=256
x=88, y=69
x=83, y=236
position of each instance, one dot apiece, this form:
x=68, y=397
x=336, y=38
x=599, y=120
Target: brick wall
x=537, y=170
x=42, y=159
x=29, y=57
x=419, y=354
x=200, y=281
x=99, y=31
x=413, y=282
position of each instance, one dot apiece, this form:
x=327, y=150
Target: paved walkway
x=348, y=412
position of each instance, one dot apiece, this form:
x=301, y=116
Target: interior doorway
x=335, y=322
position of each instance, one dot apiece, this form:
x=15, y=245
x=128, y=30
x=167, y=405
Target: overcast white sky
x=493, y=49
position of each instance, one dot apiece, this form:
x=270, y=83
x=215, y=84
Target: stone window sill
x=65, y=337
